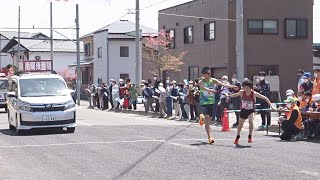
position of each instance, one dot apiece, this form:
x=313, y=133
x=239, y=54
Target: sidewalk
x=232, y=117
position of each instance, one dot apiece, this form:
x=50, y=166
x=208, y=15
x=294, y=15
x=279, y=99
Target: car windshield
x=43, y=87
x=4, y=84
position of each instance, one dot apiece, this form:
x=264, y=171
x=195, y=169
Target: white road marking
x=78, y=143
x=84, y=123
x=257, y=139
x=315, y=174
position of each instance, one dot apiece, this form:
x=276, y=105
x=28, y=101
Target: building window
x=87, y=49
x=124, y=76
x=209, y=31
x=100, y=52
x=171, y=34
x=193, y=72
x=124, y=51
x=262, y=27
x=188, y=35
x=296, y=28
x=253, y=70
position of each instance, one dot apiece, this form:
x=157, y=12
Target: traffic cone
x=225, y=121
x=201, y=119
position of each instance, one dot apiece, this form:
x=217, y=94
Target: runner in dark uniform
x=248, y=99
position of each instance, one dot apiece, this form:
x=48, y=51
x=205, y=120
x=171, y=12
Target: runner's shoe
x=249, y=140
x=236, y=141
x=211, y=140
x=201, y=120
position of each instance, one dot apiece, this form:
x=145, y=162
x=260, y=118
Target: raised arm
x=258, y=95
x=235, y=94
x=225, y=85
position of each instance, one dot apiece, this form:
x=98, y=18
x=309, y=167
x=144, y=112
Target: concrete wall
x=200, y=53
x=122, y=65
x=289, y=54
x=100, y=64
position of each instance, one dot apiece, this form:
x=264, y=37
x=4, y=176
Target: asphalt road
x=108, y=145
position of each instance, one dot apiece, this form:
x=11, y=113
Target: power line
x=187, y=16
x=153, y=4
x=64, y=36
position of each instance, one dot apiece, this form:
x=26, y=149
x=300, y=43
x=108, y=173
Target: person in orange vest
x=316, y=82
x=293, y=124
x=306, y=101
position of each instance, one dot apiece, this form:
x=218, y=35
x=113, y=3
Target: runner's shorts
x=207, y=109
x=244, y=113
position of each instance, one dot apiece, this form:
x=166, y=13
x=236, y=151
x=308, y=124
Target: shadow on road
x=241, y=147
x=34, y=132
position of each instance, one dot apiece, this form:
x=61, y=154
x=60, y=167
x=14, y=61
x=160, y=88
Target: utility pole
x=51, y=33
x=239, y=40
x=78, y=55
x=137, y=43
x=18, y=55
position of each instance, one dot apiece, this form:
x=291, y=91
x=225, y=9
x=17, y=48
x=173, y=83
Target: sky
x=94, y=14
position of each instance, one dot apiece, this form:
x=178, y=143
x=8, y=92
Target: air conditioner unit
x=38, y=58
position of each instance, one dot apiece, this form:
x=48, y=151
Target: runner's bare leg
x=241, y=122
x=251, y=117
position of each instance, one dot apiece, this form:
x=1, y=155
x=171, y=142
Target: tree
x=161, y=58
x=68, y=75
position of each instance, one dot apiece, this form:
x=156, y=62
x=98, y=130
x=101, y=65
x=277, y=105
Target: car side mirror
x=11, y=95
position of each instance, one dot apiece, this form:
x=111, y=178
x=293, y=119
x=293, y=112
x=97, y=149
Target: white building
x=37, y=47
x=113, y=54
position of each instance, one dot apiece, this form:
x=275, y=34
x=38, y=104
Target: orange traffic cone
x=201, y=119
x=225, y=121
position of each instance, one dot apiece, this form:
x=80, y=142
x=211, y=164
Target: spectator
x=110, y=90
x=97, y=93
x=216, y=116
x=306, y=101
x=307, y=84
x=181, y=100
x=162, y=100
x=293, y=124
x=263, y=87
x=224, y=100
x=155, y=89
x=197, y=100
x=105, y=96
x=236, y=101
x=115, y=94
x=316, y=82
x=169, y=99
x=175, y=96
x=191, y=100
x=300, y=82
x=89, y=93
x=147, y=94
x=312, y=126
x=133, y=96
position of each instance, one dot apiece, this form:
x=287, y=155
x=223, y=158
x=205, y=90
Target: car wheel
x=71, y=130
x=18, y=131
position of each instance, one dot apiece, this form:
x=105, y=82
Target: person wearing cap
x=207, y=99
x=263, y=87
x=248, y=98
x=290, y=93
x=307, y=84
x=224, y=102
x=316, y=82
x=293, y=124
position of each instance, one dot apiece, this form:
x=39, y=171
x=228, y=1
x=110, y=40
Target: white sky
x=94, y=14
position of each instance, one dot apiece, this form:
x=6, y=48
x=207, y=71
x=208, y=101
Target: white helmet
x=289, y=92
x=316, y=97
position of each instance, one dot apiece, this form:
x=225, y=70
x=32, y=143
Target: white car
x=4, y=84
x=40, y=101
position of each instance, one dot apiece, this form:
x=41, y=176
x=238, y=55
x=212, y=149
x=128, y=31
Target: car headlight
x=25, y=107
x=69, y=105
